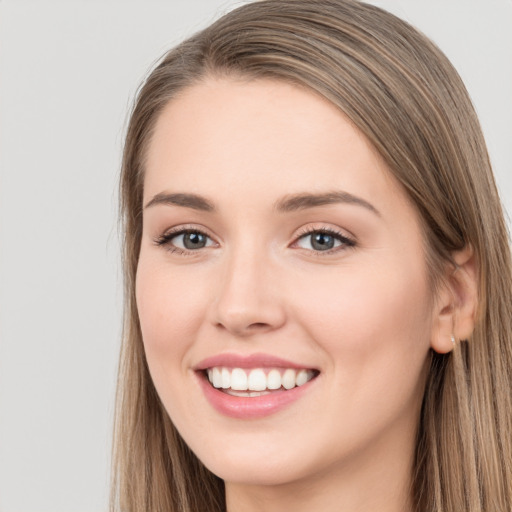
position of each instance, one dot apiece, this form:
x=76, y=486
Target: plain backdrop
x=68, y=73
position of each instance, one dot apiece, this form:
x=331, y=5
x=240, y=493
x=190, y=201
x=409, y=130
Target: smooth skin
x=250, y=278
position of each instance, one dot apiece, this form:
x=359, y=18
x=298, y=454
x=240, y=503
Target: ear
x=456, y=303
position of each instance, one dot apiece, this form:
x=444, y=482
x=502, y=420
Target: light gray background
x=69, y=71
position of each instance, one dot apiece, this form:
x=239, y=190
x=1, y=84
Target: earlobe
x=456, y=305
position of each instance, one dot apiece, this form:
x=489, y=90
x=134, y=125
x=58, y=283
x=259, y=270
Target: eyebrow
x=193, y=201
x=290, y=203
x=297, y=202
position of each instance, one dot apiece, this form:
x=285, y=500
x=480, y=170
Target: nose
x=248, y=298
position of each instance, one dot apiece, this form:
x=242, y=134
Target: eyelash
x=165, y=240
x=346, y=242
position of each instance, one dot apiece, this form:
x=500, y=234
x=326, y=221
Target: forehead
x=260, y=138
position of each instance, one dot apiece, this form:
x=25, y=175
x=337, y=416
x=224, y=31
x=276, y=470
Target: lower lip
x=251, y=407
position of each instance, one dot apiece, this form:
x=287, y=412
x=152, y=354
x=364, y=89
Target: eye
x=323, y=240
x=184, y=240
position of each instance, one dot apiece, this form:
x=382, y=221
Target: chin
x=270, y=459
x=257, y=471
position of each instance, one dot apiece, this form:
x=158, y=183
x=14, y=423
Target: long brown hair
x=400, y=90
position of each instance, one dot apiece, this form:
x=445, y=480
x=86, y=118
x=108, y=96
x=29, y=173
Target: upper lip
x=259, y=360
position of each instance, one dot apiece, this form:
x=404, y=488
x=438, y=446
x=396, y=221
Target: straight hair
x=403, y=94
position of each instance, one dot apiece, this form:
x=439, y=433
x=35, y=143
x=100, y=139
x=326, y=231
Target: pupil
x=194, y=240
x=322, y=242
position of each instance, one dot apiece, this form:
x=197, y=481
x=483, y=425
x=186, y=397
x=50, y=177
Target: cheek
x=170, y=307
x=372, y=320
x=374, y=328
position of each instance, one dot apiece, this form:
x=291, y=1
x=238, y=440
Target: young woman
x=318, y=275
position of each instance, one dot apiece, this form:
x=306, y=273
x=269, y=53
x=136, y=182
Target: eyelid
x=164, y=240
x=347, y=240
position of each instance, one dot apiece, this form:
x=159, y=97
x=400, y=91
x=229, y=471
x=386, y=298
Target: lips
x=252, y=386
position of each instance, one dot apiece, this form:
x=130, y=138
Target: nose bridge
x=248, y=298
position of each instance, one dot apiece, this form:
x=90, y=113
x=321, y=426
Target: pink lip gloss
x=239, y=405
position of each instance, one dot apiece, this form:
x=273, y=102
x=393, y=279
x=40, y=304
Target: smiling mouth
x=257, y=381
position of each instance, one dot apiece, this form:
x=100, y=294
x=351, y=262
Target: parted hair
x=403, y=94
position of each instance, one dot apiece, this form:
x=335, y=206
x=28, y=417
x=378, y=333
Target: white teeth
x=302, y=377
x=273, y=379
x=247, y=393
x=256, y=382
x=226, y=378
x=238, y=380
x=288, y=379
x=216, y=380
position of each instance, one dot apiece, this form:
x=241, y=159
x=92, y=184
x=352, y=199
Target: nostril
x=258, y=325
x=245, y=329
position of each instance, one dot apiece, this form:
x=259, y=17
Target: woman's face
x=279, y=252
